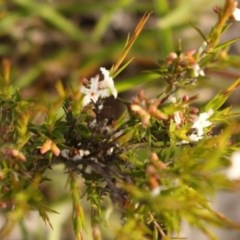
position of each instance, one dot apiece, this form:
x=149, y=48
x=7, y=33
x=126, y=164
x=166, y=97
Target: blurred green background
x=48, y=40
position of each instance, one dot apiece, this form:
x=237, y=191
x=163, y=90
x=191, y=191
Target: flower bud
x=18, y=155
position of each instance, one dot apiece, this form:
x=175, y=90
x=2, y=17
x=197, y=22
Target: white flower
x=197, y=71
x=236, y=14
x=202, y=122
x=108, y=82
x=233, y=172
x=93, y=93
x=98, y=89
x=198, y=126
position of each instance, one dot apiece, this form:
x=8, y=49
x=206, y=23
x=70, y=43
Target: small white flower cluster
x=198, y=126
x=99, y=89
x=233, y=171
x=200, y=123
x=197, y=71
